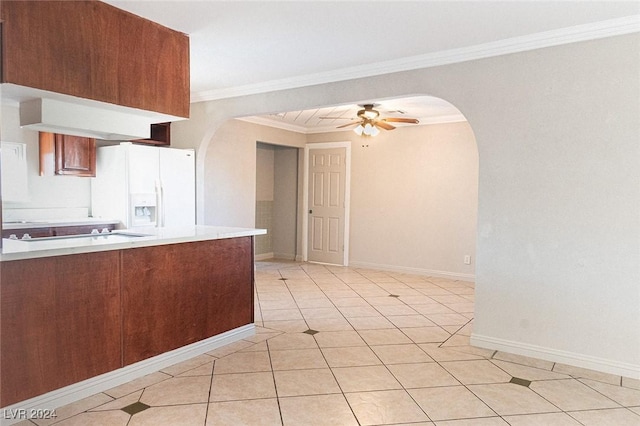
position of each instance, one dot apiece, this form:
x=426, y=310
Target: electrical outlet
x=467, y=260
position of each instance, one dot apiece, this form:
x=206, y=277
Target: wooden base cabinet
x=59, y=322
x=179, y=294
x=65, y=319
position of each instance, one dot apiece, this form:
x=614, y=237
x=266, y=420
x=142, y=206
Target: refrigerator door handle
x=159, y=205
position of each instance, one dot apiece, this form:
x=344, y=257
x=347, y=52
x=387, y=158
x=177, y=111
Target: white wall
x=557, y=130
x=229, y=164
x=264, y=172
x=414, y=198
x=559, y=216
x=44, y=191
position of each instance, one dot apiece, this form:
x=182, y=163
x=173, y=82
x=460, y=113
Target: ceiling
x=247, y=47
x=426, y=109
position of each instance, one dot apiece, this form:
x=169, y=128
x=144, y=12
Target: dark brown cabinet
x=178, y=294
x=67, y=155
x=92, y=50
x=160, y=135
x=59, y=322
x=64, y=319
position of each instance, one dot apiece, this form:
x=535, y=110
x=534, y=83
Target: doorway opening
x=276, y=201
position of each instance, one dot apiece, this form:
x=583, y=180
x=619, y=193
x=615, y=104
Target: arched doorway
x=414, y=189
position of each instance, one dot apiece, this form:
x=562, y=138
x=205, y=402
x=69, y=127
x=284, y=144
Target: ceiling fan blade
x=384, y=125
x=348, y=124
x=401, y=120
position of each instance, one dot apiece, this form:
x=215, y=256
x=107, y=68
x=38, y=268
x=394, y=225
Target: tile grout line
x=206, y=413
x=382, y=364
x=402, y=386
x=329, y=366
x=275, y=383
x=368, y=345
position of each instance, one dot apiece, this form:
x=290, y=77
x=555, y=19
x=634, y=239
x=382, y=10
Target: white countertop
x=117, y=240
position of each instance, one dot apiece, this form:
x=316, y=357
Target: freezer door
x=144, y=169
x=177, y=176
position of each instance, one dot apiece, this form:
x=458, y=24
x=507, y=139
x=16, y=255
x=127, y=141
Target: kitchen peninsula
x=84, y=313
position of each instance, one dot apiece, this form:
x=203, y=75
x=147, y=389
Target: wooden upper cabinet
x=93, y=50
x=67, y=155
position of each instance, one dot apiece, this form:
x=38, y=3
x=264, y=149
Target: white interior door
x=327, y=176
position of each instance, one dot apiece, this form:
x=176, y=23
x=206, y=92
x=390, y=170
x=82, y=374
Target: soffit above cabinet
x=46, y=111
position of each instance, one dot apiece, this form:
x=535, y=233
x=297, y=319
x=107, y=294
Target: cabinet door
x=75, y=155
x=59, y=322
x=67, y=155
x=92, y=50
x=177, y=294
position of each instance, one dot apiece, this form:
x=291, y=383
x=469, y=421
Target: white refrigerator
x=143, y=185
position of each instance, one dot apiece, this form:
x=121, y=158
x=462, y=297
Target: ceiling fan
x=368, y=122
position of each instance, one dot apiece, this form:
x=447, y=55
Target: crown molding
x=578, y=33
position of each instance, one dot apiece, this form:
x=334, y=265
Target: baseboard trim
x=263, y=256
x=554, y=355
x=268, y=256
x=284, y=256
x=410, y=270
x=103, y=382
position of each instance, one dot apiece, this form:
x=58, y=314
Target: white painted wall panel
x=557, y=131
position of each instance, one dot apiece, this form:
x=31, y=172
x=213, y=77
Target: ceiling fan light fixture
x=367, y=130
x=368, y=123
x=369, y=114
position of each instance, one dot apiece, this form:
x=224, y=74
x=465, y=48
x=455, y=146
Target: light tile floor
x=348, y=346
